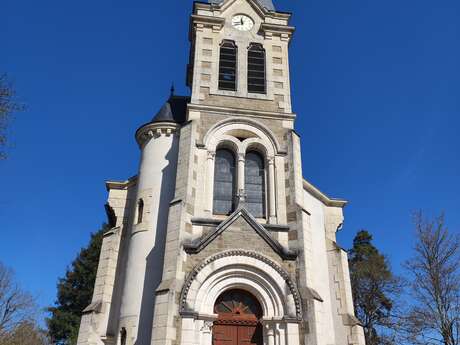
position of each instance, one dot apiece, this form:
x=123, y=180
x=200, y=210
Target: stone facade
x=169, y=256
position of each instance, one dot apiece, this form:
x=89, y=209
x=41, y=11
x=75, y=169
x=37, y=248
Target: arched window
x=140, y=211
x=224, y=182
x=254, y=184
x=256, y=69
x=123, y=336
x=227, y=66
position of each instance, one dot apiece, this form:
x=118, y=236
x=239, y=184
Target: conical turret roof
x=174, y=110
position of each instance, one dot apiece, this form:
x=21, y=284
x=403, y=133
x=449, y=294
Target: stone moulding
x=237, y=252
x=154, y=130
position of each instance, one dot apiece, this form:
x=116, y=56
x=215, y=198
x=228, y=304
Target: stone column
x=210, y=182
x=271, y=190
x=206, y=333
x=240, y=178
x=270, y=334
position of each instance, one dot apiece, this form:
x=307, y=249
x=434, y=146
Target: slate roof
x=174, y=110
x=268, y=4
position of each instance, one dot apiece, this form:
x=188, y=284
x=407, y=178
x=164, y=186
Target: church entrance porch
x=239, y=298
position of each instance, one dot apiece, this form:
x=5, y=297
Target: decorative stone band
x=201, y=22
x=237, y=252
x=154, y=130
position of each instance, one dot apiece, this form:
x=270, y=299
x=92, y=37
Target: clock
x=242, y=22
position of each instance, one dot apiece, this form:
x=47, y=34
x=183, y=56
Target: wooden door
x=239, y=319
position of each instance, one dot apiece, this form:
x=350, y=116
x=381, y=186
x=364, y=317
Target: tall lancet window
x=227, y=66
x=224, y=182
x=256, y=69
x=254, y=184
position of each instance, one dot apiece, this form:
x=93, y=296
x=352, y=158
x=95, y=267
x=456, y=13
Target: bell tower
x=240, y=56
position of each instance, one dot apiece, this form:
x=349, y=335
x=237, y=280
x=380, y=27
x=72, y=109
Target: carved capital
x=207, y=327
x=211, y=155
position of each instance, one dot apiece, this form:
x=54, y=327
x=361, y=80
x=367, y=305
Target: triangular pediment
x=240, y=215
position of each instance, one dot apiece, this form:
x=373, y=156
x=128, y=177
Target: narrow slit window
x=123, y=336
x=224, y=182
x=140, y=211
x=227, y=66
x=256, y=69
x=255, y=184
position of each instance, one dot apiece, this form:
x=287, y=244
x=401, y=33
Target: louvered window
x=224, y=182
x=256, y=69
x=227, y=66
x=255, y=184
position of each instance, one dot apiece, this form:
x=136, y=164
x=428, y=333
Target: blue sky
x=376, y=87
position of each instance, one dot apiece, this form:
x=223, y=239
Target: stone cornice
x=121, y=184
x=200, y=22
x=211, y=222
x=285, y=32
x=154, y=130
x=242, y=112
x=331, y=202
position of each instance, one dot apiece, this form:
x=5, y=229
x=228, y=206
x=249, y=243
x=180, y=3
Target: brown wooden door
x=237, y=335
x=225, y=335
x=239, y=319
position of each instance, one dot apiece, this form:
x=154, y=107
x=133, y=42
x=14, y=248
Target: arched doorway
x=239, y=314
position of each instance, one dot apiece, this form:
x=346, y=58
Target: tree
x=434, y=316
x=26, y=333
x=18, y=313
x=8, y=105
x=375, y=290
x=75, y=292
x=16, y=305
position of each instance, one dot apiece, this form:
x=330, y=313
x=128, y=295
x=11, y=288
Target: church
x=219, y=239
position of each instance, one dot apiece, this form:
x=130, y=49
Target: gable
x=240, y=230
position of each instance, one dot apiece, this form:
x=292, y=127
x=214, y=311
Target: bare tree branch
x=8, y=105
x=434, y=318
x=16, y=306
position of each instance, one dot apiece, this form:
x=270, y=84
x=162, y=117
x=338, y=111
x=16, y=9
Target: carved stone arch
x=241, y=269
x=260, y=131
x=228, y=142
x=258, y=145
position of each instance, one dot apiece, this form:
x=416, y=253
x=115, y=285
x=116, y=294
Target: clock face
x=242, y=22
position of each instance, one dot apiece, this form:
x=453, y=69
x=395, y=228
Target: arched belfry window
x=254, y=184
x=140, y=211
x=224, y=182
x=256, y=69
x=227, y=66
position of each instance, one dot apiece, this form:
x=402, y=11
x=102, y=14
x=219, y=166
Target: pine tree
x=375, y=290
x=74, y=293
